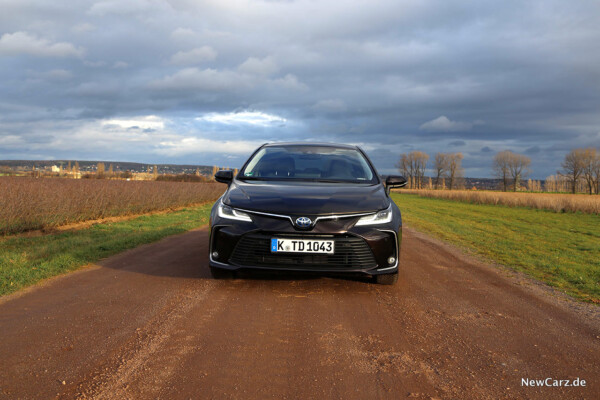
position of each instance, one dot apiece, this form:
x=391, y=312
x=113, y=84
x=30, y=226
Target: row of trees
x=446, y=166
x=580, y=168
x=511, y=168
x=583, y=165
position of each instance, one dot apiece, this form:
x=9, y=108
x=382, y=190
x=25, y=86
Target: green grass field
x=561, y=249
x=25, y=261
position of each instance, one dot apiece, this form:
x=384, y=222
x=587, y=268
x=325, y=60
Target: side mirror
x=224, y=176
x=393, y=181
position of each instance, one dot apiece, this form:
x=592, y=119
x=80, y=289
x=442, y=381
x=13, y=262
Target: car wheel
x=386, y=279
x=220, y=273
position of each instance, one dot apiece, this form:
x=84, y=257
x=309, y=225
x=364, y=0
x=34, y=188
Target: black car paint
x=308, y=198
x=289, y=200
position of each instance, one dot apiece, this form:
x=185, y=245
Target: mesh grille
x=349, y=253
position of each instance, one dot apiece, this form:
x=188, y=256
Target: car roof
x=339, y=145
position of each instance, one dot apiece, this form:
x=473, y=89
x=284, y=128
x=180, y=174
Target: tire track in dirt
x=150, y=323
x=134, y=365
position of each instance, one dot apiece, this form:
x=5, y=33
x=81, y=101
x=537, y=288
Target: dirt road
x=151, y=323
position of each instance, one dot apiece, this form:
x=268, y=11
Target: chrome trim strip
x=266, y=214
x=210, y=246
x=397, y=250
x=324, y=217
x=344, y=216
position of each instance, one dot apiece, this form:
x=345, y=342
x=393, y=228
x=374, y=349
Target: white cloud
x=194, y=56
x=290, y=81
x=191, y=145
x=256, y=118
x=25, y=43
x=185, y=35
x=444, y=124
x=11, y=140
x=209, y=79
x=119, y=7
x=144, y=122
x=259, y=66
x=202, y=79
x=118, y=137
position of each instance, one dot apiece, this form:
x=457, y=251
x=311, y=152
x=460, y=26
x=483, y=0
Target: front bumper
x=362, y=250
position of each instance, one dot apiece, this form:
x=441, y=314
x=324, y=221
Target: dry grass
x=543, y=201
x=30, y=203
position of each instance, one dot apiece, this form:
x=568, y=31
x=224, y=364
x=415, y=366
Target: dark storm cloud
x=393, y=76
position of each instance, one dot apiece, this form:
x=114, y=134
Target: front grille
x=350, y=253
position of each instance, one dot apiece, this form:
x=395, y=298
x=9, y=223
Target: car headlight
x=381, y=217
x=225, y=211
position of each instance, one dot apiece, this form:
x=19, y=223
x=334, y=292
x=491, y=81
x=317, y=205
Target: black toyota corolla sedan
x=307, y=207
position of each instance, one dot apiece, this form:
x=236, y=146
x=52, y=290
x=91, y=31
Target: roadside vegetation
x=560, y=249
x=40, y=204
x=557, y=202
x=580, y=172
x=25, y=261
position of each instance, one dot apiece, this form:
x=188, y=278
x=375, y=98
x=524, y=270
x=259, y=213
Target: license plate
x=301, y=246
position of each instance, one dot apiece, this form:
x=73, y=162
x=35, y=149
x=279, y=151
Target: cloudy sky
x=206, y=82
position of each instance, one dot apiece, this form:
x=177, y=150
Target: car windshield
x=310, y=163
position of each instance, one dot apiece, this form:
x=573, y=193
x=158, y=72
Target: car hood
x=306, y=198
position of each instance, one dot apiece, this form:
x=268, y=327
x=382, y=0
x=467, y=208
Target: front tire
x=220, y=273
x=386, y=279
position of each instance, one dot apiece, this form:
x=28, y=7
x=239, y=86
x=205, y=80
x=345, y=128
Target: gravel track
x=151, y=323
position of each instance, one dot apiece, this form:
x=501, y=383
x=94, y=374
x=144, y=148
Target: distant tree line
x=580, y=171
x=582, y=165
x=511, y=168
x=446, y=167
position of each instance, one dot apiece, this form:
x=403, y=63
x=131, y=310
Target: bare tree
x=440, y=166
x=573, y=167
x=501, y=167
x=100, y=170
x=412, y=166
x=455, y=170
x=419, y=160
x=405, y=167
x=518, y=167
x=590, y=160
x=596, y=171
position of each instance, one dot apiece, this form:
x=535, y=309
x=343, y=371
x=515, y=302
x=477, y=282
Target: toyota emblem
x=303, y=222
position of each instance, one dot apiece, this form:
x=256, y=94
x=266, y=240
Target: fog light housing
x=391, y=260
x=215, y=254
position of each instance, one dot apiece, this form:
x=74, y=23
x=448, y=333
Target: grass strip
x=25, y=261
x=560, y=249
